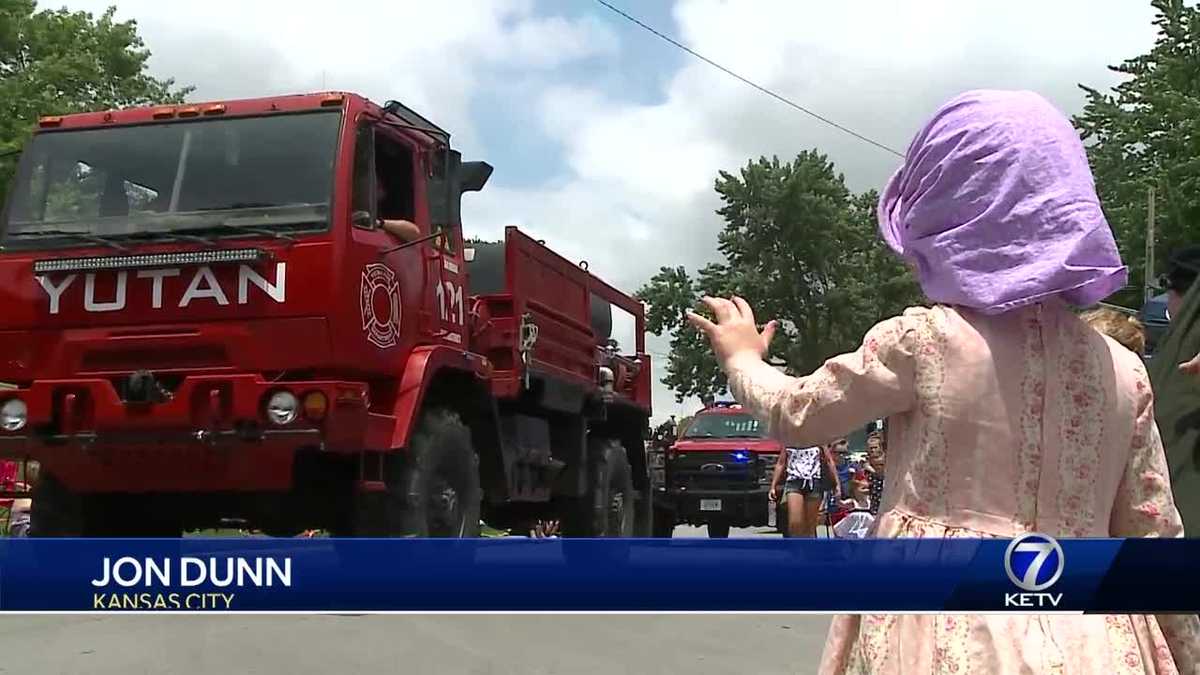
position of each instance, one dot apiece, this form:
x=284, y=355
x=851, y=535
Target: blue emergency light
x=741, y=456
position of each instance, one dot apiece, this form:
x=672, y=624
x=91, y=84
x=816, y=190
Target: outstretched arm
x=404, y=230
x=877, y=380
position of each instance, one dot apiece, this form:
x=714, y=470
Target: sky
x=606, y=141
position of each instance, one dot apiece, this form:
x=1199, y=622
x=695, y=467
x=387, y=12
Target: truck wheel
x=611, y=502
x=718, y=530
x=436, y=490
x=56, y=511
x=664, y=523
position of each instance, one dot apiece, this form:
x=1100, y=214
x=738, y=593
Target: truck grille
x=712, y=471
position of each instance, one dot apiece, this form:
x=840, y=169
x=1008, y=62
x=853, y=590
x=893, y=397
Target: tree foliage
x=59, y=62
x=1146, y=132
x=801, y=248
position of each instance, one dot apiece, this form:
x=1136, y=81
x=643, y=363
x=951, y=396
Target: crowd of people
x=1007, y=412
x=822, y=484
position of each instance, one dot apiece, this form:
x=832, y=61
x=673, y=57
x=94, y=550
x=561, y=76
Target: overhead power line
x=779, y=97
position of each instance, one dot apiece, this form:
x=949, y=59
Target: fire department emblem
x=379, y=298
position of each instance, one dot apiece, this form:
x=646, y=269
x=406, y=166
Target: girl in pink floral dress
x=1046, y=425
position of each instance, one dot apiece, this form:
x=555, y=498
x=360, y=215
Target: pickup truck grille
x=697, y=471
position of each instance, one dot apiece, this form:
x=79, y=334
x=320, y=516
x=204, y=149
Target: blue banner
x=1031, y=574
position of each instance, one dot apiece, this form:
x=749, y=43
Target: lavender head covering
x=996, y=207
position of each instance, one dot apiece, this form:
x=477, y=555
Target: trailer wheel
x=610, y=507
x=56, y=511
x=435, y=492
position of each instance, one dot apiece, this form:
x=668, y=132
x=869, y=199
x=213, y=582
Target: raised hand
x=735, y=334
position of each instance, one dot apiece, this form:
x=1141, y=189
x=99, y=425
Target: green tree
x=60, y=62
x=1146, y=132
x=802, y=249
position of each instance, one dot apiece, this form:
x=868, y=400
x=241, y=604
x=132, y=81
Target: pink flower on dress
x=1149, y=510
x=1132, y=660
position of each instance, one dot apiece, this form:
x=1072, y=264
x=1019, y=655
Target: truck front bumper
x=212, y=433
x=739, y=508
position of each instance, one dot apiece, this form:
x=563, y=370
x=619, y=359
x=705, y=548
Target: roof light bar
x=124, y=262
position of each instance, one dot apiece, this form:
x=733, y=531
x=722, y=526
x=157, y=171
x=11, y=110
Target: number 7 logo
x=1025, y=575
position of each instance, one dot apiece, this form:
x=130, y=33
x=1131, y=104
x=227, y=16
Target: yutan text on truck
x=205, y=321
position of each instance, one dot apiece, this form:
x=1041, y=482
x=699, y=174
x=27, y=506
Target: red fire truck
x=204, y=320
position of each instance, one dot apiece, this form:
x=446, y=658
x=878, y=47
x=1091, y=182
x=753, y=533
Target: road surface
x=190, y=645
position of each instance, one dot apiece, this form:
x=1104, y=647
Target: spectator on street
x=857, y=524
x=1183, y=266
x=1124, y=328
x=807, y=475
x=876, y=458
x=1173, y=373
x=996, y=210
x=670, y=429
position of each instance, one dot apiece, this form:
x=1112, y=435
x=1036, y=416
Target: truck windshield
x=261, y=172
x=724, y=426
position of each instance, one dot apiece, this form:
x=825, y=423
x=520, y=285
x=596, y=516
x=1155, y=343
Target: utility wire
x=768, y=92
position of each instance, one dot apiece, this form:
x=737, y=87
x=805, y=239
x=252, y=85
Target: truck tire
x=609, y=509
x=664, y=523
x=718, y=529
x=435, y=489
x=55, y=511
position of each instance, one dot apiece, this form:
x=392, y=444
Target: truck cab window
x=394, y=171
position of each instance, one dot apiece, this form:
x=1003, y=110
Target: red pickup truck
x=717, y=473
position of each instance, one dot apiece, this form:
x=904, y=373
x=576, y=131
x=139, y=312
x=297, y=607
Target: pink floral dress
x=1028, y=421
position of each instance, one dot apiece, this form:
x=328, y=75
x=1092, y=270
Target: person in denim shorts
x=810, y=474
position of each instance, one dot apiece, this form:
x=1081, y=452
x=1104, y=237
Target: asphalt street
x=191, y=645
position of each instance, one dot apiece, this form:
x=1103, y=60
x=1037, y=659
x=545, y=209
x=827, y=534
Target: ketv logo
x=1034, y=563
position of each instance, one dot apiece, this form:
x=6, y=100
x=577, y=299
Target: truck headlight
x=282, y=408
x=13, y=415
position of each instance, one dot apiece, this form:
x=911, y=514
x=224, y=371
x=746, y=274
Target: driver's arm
x=404, y=230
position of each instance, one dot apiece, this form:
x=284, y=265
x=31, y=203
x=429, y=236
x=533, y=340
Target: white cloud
x=637, y=192
x=877, y=67
x=431, y=55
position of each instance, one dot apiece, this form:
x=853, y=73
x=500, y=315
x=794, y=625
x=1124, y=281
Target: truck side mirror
x=362, y=219
x=474, y=175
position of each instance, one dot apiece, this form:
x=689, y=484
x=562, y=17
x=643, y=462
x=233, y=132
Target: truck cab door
x=390, y=280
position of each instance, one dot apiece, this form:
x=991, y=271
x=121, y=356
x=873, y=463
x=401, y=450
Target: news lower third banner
x=1029, y=575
